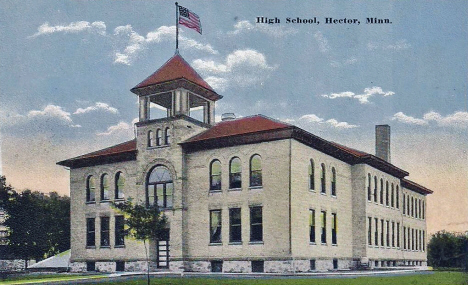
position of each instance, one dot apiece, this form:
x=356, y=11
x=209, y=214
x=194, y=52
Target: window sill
x=90, y=247
x=312, y=243
x=235, y=243
x=333, y=196
x=323, y=243
x=215, y=191
x=312, y=190
x=105, y=246
x=323, y=193
x=334, y=244
x=256, y=242
x=235, y=189
x=158, y=146
x=215, y=244
x=119, y=246
x=90, y=202
x=255, y=187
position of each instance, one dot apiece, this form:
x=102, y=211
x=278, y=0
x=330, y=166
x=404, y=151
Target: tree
x=38, y=224
x=447, y=249
x=144, y=223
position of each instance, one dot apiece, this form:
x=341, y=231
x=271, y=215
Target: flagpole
x=177, y=27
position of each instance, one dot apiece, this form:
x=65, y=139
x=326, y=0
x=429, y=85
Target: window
x=412, y=207
x=369, y=231
x=386, y=193
x=424, y=240
x=412, y=239
x=216, y=266
x=369, y=192
x=215, y=175
x=416, y=208
x=312, y=226
x=323, y=179
x=119, y=185
x=397, y=197
x=256, y=224
x=375, y=189
x=392, y=201
x=416, y=238
x=158, y=137
x=335, y=263
x=311, y=175
x=151, y=139
x=215, y=226
x=407, y=205
x=323, y=219
x=167, y=136
x=160, y=187
x=423, y=210
x=90, y=266
x=119, y=231
x=235, y=173
x=333, y=182
x=90, y=232
x=382, y=241
x=404, y=237
x=312, y=264
x=404, y=203
x=388, y=233
x=419, y=209
x=90, y=189
x=105, y=232
x=104, y=187
x=120, y=266
x=334, y=228
x=376, y=236
x=255, y=171
x=257, y=266
x=393, y=234
x=398, y=235
x=381, y=192
x=235, y=229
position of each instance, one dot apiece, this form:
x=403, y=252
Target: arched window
x=323, y=181
x=392, y=196
x=90, y=189
x=404, y=203
x=150, y=139
x=423, y=210
x=333, y=182
x=104, y=187
x=255, y=171
x=412, y=207
x=375, y=189
x=167, y=136
x=215, y=175
x=119, y=185
x=235, y=173
x=408, y=205
x=397, y=197
x=160, y=187
x=158, y=137
x=382, y=192
x=387, y=200
x=311, y=175
x=369, y=192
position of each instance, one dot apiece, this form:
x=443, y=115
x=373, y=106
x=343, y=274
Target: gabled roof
x=408, y=184
x=176, y=71
x=121, y=152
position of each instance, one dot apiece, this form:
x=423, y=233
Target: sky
x=66, y=68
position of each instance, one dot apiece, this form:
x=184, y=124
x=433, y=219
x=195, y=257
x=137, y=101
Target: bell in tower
x=177, y=88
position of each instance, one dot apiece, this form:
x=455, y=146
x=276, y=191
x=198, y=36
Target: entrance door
x=162, y=248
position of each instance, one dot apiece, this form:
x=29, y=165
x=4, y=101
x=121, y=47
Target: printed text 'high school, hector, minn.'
x=325, y=20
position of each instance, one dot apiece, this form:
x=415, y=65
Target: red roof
x=253, y=124
x=350, y=150
x=175, y=68
x=415, y=186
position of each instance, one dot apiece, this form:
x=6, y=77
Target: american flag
x=189, y=19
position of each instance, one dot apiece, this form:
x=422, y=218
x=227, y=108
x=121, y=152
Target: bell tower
x=177, y=88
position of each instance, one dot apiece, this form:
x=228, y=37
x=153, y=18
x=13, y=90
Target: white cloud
x=136, y=42
x=312, y=118
x=51, y=111
x=121, y=126
x=399, y=45
x=458, y=119
x=243, y=67
x=74, y=27
x=98, y=106
x=245, y=26
x=364, y=97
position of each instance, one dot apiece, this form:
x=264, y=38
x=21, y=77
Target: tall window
x=158, y=137
x=407, y=205
x=119, y=231
x=375, y=189
x=312, y=225
x=235, y=173
x=388, y=233
x=416, y=208
x=333, y=182
x=90, y=189
x=334, y=228
x=397, y=197
x=104, y=187
x=323, y=220
x=382, y=241
x=376, y=234
x=404, y=203
x=404, y=237
x=423, y=210
x=119, y=185
x=215, y=175
x=151, y=139
x=381, y=192
x=256, y=224
x=424, y=240
x=398, y=235
x=311, y=175
x=369, y=192
x=167, y=136
x=392, y=201
x=255, y=171
x=323, y=179
x=412, y=207
x=386, y=192
x=419, y=209
x=369, y=230
x=90, y=232
x=215, y=226
x=160, y=187
x=235, y=226
x=393, y=234
x=105, y=242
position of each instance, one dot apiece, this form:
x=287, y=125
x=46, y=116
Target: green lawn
x=445, y=278
x=37, y=278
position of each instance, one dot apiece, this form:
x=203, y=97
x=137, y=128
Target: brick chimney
x=382, y=142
